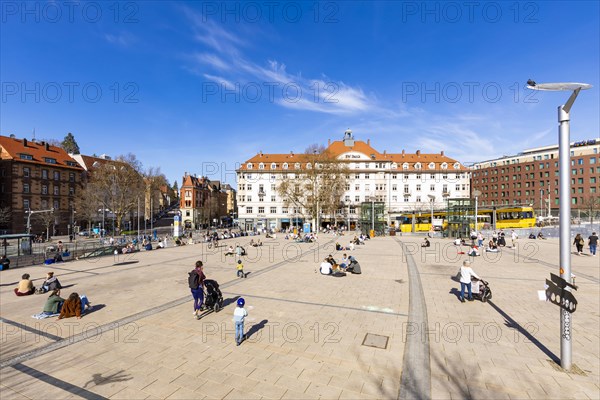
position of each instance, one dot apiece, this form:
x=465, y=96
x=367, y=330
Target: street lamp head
x=557, y=87
x=476, y=193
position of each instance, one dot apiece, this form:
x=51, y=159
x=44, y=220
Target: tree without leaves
x=318, y=187
x=116, y=185
x=47, y=219
x=591, y=206
x=153, y=180
x=69, y=144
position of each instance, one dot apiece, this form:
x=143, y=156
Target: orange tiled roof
x=13, y=149
x=338, y=148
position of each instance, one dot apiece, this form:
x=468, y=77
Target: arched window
x=273, y=166
x=394, y=166
x=418, y=165
x=308, y=166
x=431, y=165
x=405, y=165
x=297, y=165
x=249, y=165
x=285, y=165
x=261, y=166
x=456, y=165
x=444, y=165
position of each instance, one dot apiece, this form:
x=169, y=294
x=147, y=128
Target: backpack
x=193, y=279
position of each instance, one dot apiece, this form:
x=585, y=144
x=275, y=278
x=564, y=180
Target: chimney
x=369, y=141
x=261, y=153
x=328, y=142
x=291, y=154
x=384, y=152
x=24, y=142
x=418, y=153
x=442, y=152
x=403, y=152
x=47, y=146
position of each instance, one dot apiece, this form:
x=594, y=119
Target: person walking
x=196, y=283
x=466, y=272
x=240, y=269
x=479, y=240
x=513, y=237
x=579, y=242
x=238, y=318
x=593, y=243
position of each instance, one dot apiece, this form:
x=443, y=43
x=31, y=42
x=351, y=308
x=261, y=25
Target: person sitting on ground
x=53, y=303
x=74, y=306
x=25, y=286
x=331, y=260
x=492, y=247
x=338, y=246
x=474, y=251
x=230, y=251
x=531, y=235
x=4, y=262
x=426, y=243
x=50, y=283
x=350, y=246
x=258, y=243
x=541, y=235
x=458, y=242
x=345, y=262
x=325, y=268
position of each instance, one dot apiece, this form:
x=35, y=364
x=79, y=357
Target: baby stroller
x=480, y=290
x=213, y=296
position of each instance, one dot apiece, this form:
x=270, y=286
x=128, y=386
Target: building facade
x=35, y=177
x=403, y=182
x=531, y=178
x=203, y=202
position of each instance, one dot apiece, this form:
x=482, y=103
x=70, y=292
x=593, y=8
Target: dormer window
x=405, y=165
x=50, y=160
x=456, y=165
x=249, y=165
x=23, y=156
x=297, y=166
x=394, y=166
x=308, y=166
x=261, y=166
x=285, y=165
x=444, y=165
x=418, y=165
x=273, y=166
x=431, y=165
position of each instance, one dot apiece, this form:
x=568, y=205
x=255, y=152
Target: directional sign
x=558, y=294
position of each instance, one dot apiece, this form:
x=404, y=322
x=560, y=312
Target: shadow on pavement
x=256, y=328
x=511, y=323
x=98, y=379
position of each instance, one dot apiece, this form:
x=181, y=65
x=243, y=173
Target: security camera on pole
x=561, y=287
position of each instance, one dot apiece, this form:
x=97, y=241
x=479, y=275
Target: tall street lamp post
x=431, y=200
x=476, y=193
x=564, y=158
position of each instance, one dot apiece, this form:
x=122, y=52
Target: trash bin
x=372, y=233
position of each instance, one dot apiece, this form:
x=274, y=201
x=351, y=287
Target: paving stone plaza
x=397, y=330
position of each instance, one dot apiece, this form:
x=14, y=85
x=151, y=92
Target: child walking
x=240, y=269
x=238, y=318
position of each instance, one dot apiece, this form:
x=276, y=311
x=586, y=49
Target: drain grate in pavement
x=377, y=341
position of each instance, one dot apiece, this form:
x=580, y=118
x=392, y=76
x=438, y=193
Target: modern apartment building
x=403, y=182
x=34, y=177
x=531, y=178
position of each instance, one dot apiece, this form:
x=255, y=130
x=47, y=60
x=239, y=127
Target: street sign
x=556, y=293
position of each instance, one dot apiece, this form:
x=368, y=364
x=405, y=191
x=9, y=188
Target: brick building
x=531, y=178
x=36, y=176
x=203, y=202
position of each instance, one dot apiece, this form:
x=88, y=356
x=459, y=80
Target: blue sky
x=201, y=86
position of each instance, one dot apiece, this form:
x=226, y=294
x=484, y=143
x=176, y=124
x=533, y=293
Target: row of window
x=27, y=189
x=46, y=174
x=44, y=204
x=418, y=165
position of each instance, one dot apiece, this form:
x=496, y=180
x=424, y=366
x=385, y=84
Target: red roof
x=338, y=148
x=28, y=151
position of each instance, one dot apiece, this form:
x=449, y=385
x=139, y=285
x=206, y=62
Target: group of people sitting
x=360, y=239
x=26, y=287
x=339, y=247
x=330, y=266
x=74, y=306
x=540, y=235
x=258, y=243
x=239, y=251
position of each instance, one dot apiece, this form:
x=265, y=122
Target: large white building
x=403, y=182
